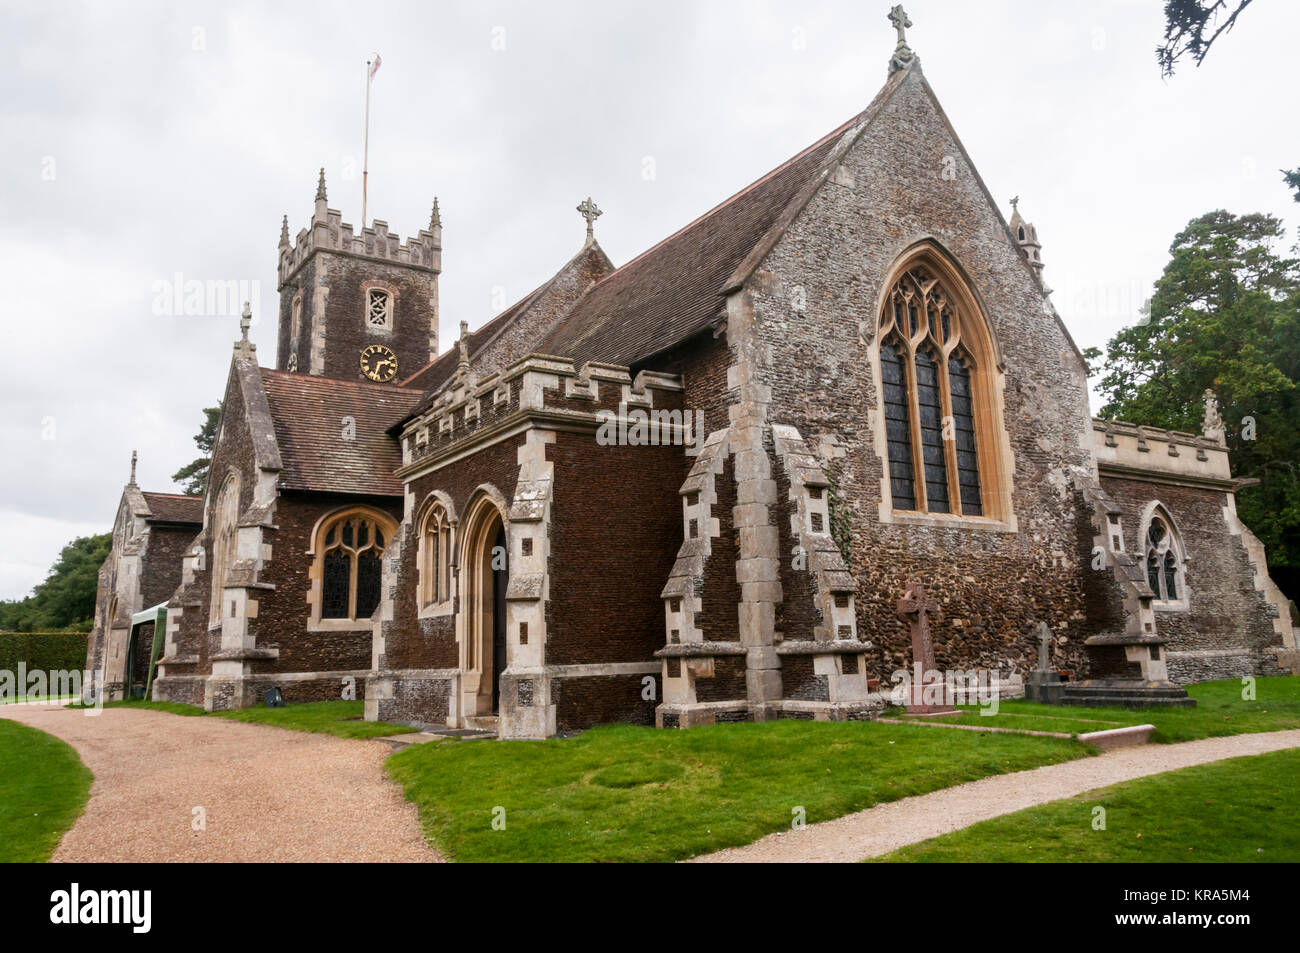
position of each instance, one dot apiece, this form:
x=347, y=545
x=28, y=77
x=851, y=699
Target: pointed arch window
x=349, y=563
x=1164, y=561
x=225, y=526
x=295, y=329
x=930, y=388
x=435, y=557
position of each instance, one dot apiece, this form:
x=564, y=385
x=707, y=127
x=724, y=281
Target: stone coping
x=700, y=649
x=827, y=647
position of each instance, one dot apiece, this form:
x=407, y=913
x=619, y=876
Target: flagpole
x=365, y=159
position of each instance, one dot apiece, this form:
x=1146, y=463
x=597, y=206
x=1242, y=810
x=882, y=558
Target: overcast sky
x=141, y=141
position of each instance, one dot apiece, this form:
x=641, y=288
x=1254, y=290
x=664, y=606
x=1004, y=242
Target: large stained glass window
x=927, y=377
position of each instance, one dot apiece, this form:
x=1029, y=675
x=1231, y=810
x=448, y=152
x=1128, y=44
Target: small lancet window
x=1164, y=562
x=435, y=557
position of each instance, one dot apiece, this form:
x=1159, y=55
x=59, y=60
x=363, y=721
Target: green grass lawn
x=622, y=793
x=43, y=789
x=1229, y=811
x=1219, y=711
x=341, y=719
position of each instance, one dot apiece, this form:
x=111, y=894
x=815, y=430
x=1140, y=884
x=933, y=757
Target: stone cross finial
x=320, y=187
x=1212, y=427
x=132, y=482
x=1044, y=647
x=1014, y=202
x=903, y=54
x=589, y=211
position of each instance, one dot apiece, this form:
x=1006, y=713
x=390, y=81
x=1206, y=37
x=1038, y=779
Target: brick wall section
x=728, y=681
x=284, y=615
x=797, y=617
x=718, y=618
x=409, y=641
x=161, y=573
x=303, y=282
x=583, y=702
x=615, y=531
x=1224, y=609
x=994, y=587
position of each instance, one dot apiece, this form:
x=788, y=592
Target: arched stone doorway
x=485, y=574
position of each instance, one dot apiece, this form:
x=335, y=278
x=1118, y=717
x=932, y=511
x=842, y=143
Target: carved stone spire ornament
x=320, y=187
x=1212, y=427
x=903, y=55
x=284, y=231
x=462, y=345
x=244, y=347
x=132, y=480
x=589, y=211
x=435, y=217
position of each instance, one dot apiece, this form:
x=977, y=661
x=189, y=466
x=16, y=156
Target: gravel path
x=268, y=794
x=887, y=827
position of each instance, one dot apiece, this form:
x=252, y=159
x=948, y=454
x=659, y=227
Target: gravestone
x=915, y=608
x=1043, y=684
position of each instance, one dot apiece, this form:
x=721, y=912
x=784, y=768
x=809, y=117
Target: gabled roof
x=437, y=372
x=675, y=289
x=308, y=413
x=542, y=306
x=173, y=508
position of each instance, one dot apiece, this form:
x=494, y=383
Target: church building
x=692, y=488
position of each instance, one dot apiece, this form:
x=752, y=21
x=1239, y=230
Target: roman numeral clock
x=378, y=363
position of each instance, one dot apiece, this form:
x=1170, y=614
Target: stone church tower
x=357, y=306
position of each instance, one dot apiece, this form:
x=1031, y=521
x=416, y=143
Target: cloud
x=178, y=134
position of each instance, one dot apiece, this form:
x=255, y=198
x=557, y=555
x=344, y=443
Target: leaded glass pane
x=898, y=429
x=334, y=590
x=963, y=414
x=932, y=450
x=1171, y=576
x=369, y=579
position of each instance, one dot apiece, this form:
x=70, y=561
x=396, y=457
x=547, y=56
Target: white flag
x=374, y=67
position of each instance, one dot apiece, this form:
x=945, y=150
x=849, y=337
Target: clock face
x=379, y=363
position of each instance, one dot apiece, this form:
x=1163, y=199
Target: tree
x=194, y=476
x=66, y=599
x=1226, y=316
x=1187, y=23
x=1292, y=180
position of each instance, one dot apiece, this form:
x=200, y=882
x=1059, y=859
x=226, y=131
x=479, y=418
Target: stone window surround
x=225, y=542
x=316, y=570
x=992, y=441
x=295, y=330
x=390, y=323
x=437, y=502
x=1157, y=510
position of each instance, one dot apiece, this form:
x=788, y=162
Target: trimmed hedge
x=43, y=651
